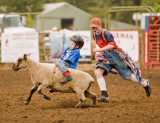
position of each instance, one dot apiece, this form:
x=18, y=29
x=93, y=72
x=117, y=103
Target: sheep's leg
x=82, y=99
x=40, y=88
x=43, y=95
x=34, y=88
x=92, y=96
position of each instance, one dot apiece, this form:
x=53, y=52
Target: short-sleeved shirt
x=109, y=40
x=71, y=56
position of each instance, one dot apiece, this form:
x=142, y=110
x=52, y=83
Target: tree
x=7, y=6
x=19, y=6
x=96, y=8
x=127, y=15
x=153, y=3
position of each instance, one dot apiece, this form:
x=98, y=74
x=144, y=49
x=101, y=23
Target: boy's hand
x=95, y=50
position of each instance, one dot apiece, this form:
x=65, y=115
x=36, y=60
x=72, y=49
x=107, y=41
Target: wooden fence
x=44, y=51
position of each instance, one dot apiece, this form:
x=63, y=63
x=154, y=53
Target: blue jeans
x=63, y=66
x=114, y=62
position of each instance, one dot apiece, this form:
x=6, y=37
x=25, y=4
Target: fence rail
x=44, y=51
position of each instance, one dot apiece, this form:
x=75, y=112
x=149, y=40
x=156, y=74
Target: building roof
x=53, y=6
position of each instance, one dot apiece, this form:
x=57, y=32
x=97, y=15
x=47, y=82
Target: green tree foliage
x=22, y=6
x=96, y=8
x=7, y=6
x=29, y=21
x=124, y=16
x=155, y=4
x=82, y=4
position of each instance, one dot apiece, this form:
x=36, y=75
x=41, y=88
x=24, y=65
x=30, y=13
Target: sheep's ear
x=25, y=57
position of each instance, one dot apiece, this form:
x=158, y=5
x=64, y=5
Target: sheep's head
x=21, y=63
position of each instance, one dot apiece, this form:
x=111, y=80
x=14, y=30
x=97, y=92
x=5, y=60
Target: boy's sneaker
x=147, y=88
x=66, y=79
x=103, y=99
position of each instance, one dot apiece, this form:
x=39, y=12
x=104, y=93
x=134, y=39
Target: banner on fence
x=129, y=41
x=14, y=45
x=60, y=40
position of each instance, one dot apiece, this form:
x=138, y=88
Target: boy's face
x=73, y=45
x=96, y=29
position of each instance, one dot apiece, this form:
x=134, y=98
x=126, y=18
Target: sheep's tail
x=89, y=86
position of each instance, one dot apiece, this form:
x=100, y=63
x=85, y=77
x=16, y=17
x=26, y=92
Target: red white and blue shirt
x=109, y=39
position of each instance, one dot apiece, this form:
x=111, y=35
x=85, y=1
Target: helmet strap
x=74, y=47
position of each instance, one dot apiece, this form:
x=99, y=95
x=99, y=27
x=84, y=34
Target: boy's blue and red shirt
x=71, y=56
x=109, y=39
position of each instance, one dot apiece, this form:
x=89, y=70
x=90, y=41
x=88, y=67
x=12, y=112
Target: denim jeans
x=114, y=62
x=63, y=66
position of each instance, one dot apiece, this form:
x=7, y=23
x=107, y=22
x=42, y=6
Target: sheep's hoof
x=47, y=98
x=26, y=103
x=94, y=100
x=78, y=106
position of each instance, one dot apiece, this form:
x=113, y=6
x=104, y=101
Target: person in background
x=111, y=56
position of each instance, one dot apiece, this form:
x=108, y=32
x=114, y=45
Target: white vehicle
x=13, y=24
x=15, y=39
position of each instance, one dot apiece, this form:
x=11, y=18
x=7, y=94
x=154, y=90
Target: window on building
x=67, y=23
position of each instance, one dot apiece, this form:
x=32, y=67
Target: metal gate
x=154, y=42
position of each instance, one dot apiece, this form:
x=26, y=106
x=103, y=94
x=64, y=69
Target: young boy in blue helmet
x=70, y=57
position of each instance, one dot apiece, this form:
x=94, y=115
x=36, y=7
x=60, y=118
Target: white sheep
x=45, y=75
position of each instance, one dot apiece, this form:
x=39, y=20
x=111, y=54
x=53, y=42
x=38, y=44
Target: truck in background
x=12, y=30
x=12, y=23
